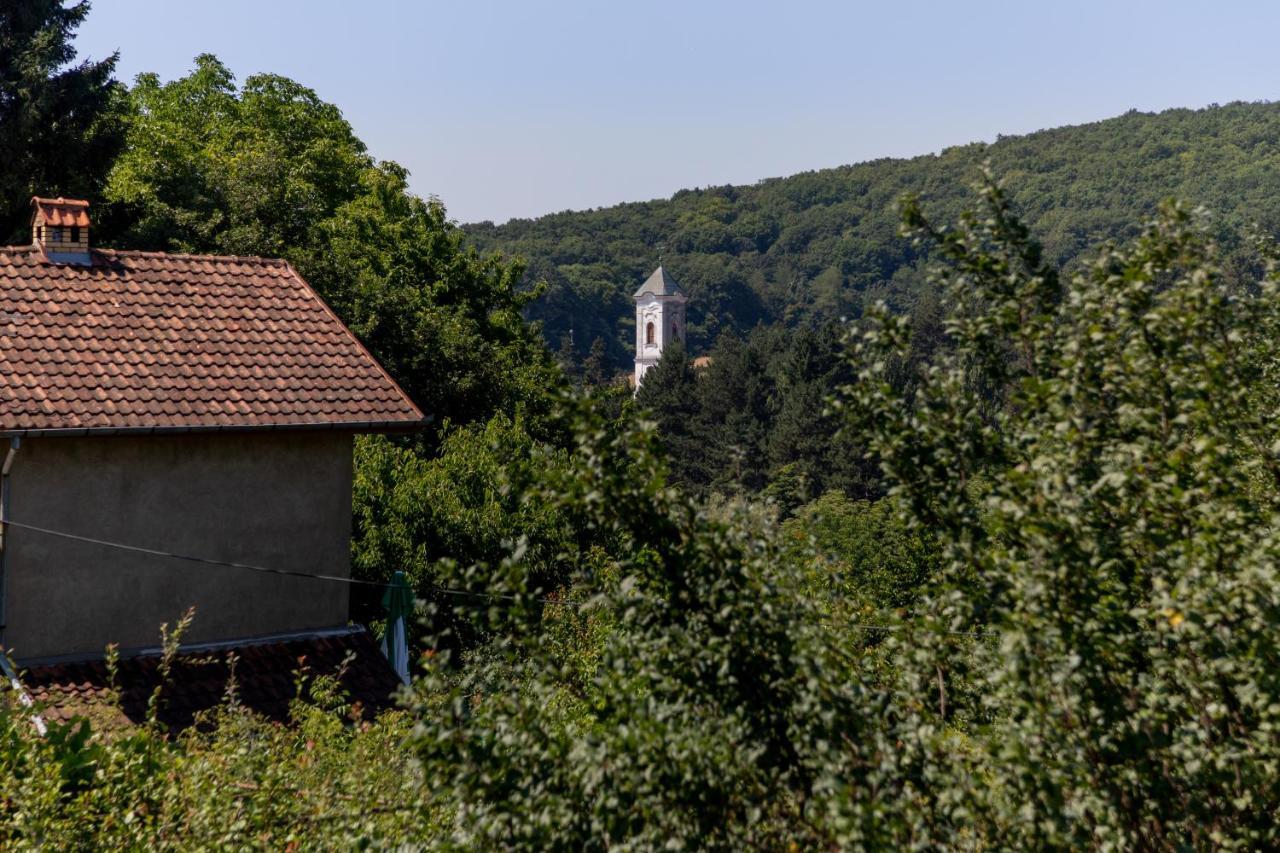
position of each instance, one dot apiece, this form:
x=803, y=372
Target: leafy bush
x=1120, y=552
x=715, y=711
x=436, y=518
x=876, y=558
x=237, y=781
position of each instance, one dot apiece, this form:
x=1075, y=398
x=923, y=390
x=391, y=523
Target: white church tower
x=659, y=319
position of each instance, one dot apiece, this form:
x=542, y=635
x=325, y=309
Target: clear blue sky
x=509, y=109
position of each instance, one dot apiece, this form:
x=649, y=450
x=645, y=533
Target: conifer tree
x=669, y=393
x=805, y=443
x=735, y=414
x=567, y=355
x=61, y=124
x=595, y=369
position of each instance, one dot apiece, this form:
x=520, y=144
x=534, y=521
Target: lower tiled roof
x=266, y=673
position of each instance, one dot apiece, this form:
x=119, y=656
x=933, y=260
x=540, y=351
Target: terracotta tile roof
x=265, y=680
x=146, y=340
x=62, y=211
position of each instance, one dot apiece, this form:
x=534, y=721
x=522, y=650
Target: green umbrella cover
x=399, y=602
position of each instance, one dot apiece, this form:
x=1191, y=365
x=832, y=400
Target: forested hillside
x=821, y=245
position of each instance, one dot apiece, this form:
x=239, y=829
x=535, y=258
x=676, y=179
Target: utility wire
x=904, y=627
x=491, y=596
x=209, y=561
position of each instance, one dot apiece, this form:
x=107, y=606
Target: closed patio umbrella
x=398, y=600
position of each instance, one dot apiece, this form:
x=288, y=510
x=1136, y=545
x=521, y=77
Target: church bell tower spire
x=659, y=319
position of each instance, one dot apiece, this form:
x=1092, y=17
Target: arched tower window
x=648, y=334
x=675, y=331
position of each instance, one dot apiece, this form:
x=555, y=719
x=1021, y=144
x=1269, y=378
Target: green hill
x=819, y=245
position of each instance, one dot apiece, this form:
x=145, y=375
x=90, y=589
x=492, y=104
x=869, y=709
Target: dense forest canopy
x=820, y=245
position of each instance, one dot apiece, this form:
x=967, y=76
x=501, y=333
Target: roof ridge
x=144, y=253
x=73, y=202
x=189, y=256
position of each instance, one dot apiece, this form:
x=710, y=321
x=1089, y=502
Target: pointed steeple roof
x=659, y=284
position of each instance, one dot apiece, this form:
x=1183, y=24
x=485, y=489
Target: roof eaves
x=201, y=648
x=328, y=426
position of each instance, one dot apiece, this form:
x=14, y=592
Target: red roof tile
x=62, y=211
x=265, y=679
x=145, y=340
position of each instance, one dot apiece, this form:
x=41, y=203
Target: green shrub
x=1120, y=553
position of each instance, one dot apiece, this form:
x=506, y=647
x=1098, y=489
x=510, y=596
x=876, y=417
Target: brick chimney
x=60, y=226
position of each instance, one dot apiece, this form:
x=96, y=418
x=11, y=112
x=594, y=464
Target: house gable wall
x=276, y=499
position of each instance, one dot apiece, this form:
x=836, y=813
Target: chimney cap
x=62, y=211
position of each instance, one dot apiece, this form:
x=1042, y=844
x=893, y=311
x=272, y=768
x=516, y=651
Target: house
x=167, y=422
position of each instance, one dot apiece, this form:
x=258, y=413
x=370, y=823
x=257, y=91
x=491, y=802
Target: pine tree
x=806, y=446
x=735, y=413
x=567, y=355
x=669, y=393
x=61, y=124
x=595, y=369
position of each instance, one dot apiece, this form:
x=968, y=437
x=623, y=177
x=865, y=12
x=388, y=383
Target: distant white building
x=659, y=319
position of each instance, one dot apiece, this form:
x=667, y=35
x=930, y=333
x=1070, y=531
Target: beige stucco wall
x=272, y=499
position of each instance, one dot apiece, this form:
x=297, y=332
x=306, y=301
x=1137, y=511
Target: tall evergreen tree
x=669, y=393
x=61, y=124
x=805, y=439
x=595, y=369
x=735, y=412
x=567, y=355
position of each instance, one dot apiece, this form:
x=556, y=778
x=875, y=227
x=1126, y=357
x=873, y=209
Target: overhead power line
x=208, y=561
x=272, y=570
x=465, y=593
